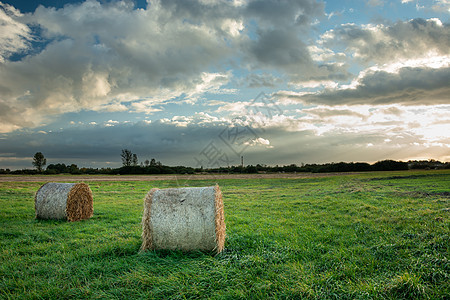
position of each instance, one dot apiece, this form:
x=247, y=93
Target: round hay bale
x=68, y=201
x=184, y=218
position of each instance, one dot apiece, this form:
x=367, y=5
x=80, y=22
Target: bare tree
x=127, y=157
x=39, y=161
x=135, y=160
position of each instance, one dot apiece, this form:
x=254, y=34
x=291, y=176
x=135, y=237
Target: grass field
x=381, y=235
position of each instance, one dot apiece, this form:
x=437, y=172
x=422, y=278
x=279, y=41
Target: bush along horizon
x=159, y=168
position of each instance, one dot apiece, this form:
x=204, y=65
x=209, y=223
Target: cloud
x=407, y=86
x=14, y=35
x=101, y=57
x=374, y=3
x=259, y=142
x=324, y=112
x=112, y=57
x=176, y=141
x=411, y=64
x=280, y=48
x=286, y=13
x=441, y=6
x=320, y=134
x=255, y=80
x=387, y=43
x=234, y=107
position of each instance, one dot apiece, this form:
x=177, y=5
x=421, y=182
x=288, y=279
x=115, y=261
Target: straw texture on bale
x=184, y=219
x=65, y=201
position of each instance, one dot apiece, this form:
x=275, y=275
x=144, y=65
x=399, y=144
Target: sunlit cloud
x=14, y=36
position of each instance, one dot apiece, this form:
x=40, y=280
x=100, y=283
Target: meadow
x=378, y=235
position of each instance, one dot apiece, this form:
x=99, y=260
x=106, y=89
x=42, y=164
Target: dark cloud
x=321, y=72
x=410, y=86
x=197, y=11
x=280, y=48
x=100, y=146
x=267, y=13
x=283, y=49
x=275, y=41
x=103, y=144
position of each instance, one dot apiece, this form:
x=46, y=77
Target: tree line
x=131, y=165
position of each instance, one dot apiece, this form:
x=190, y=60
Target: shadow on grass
x=176, y=254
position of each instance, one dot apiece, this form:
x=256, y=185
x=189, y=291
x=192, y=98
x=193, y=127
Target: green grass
x=381, y=235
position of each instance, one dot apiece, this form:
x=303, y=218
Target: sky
x=206, y=82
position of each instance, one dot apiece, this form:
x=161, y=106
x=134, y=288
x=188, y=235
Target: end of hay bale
x=219, y=220
x=186, y=219
x=146, y=222
x=80, y=204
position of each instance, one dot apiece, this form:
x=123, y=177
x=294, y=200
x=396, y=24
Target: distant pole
x=242, y=161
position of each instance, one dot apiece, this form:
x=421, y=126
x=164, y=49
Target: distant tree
x=135, y=160
x=39, y=161
x=3, y=171
x=153, y=163
x=73, y=169
x=389, y=165
x=251, y=169
x=147, y=163
x=127, y=157
x=57, y=168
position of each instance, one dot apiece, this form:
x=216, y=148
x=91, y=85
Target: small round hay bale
x=184, y=218
x=67, y=201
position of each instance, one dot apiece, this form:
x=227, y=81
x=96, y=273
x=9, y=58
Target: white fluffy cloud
x=14, y=35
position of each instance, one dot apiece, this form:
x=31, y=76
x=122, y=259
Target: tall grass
x=378, y=235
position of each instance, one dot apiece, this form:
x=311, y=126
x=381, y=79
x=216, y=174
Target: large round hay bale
x=184, y=218
x=67, y=201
